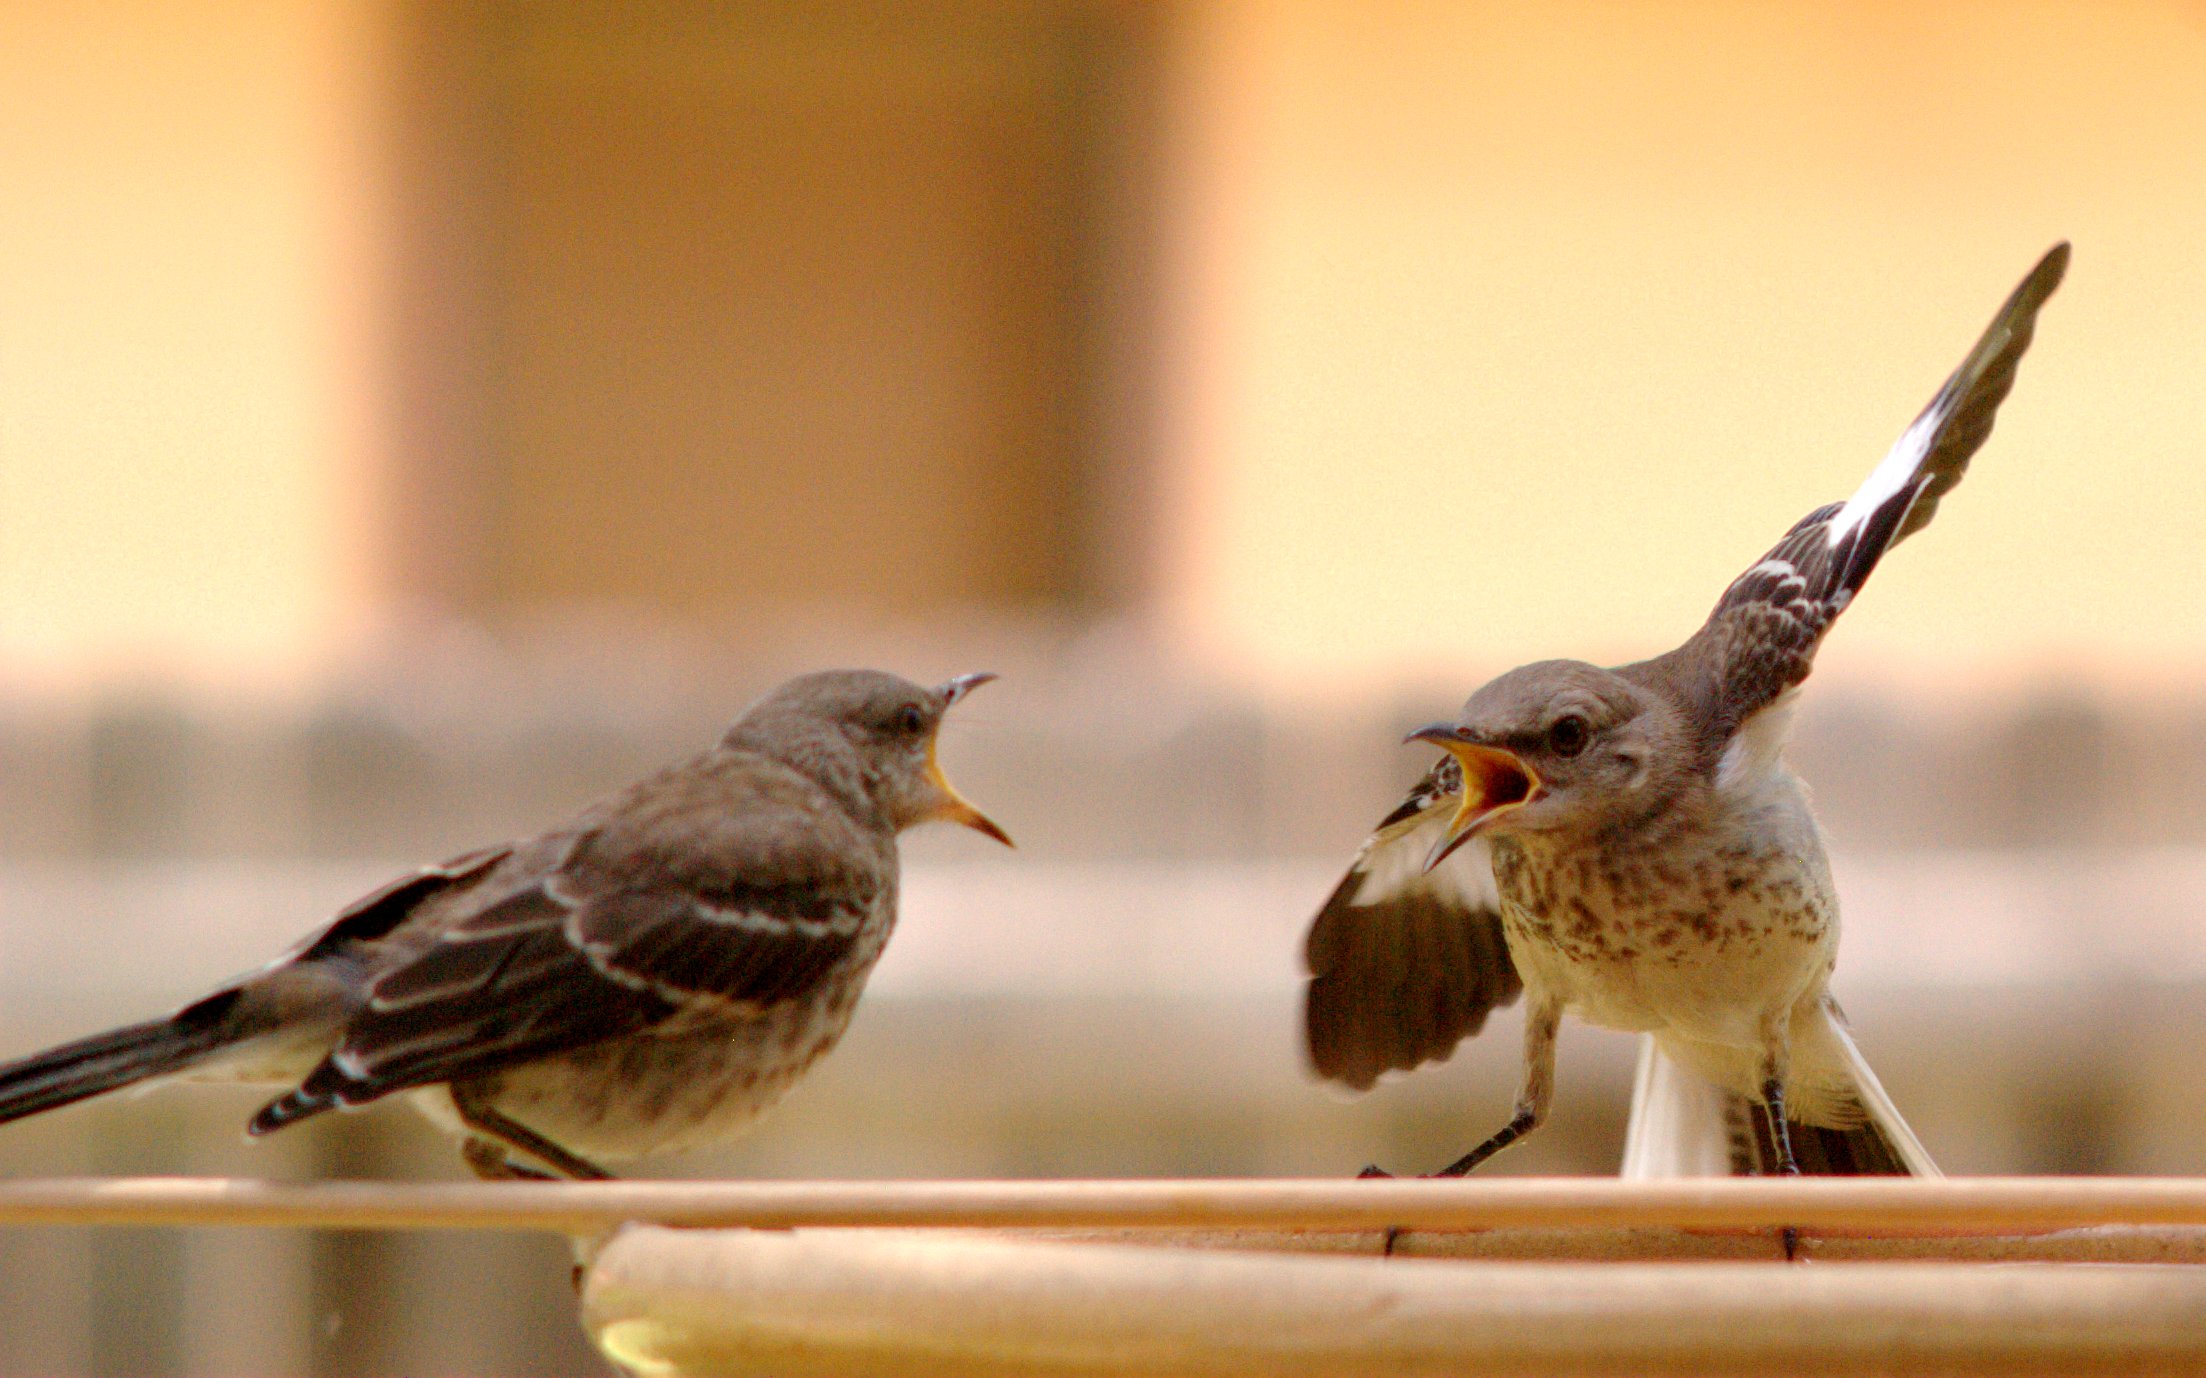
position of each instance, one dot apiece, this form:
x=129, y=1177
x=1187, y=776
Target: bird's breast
x=1706, y=939
x=699, y=1077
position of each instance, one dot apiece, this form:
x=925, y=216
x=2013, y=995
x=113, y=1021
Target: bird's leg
x=1780, y=1133
x=1775, y=1065
x=1534, y=1096
x=494, y=1129
x=1541, y=1019
x=1776, y=1071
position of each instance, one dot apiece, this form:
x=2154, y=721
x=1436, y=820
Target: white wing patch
x=1758, y=747
x=1901, y=467
x=1395, y=862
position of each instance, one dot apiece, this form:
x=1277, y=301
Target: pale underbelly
x=1725, y=990
x=668, y=1093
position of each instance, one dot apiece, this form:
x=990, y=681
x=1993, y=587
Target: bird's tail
x=1683, y=1125
x=115, y=1059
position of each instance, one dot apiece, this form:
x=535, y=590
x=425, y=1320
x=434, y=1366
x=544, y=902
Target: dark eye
x=1568, y=736
x=910, y=720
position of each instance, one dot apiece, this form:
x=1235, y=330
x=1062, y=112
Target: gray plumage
x=1627, y=844
x=643, y=979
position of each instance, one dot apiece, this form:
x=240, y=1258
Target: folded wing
x=625, y=933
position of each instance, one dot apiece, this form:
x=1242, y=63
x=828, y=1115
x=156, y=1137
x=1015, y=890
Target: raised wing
x=1766, y=627
x=1405, y=964
x=641, y=921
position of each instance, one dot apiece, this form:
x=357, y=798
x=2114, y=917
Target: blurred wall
x=189, y=299
x=324, y=317
x=1335, y=341
x=1513, y=331
x=777, y=310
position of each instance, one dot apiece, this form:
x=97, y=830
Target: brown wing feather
x=1399, y=977
x=711, y=885
x=1762, y=637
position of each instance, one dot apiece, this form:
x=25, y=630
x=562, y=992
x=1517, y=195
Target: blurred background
x=416, y=418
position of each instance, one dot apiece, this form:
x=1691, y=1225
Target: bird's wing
x=376, y=914
x=1763, y=635
x=692, y=904
x=1404, y=963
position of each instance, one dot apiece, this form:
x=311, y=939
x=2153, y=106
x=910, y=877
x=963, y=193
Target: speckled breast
x=1640, y=940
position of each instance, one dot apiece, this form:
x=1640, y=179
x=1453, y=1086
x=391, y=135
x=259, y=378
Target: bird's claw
x=1372, y=1170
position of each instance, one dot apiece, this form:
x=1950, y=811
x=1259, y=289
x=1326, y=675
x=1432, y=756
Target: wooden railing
x=1284, y=1277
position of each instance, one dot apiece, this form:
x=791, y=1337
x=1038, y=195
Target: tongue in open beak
x=1495, y=780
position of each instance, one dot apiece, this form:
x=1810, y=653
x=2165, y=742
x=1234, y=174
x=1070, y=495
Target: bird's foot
x=1371, y=1170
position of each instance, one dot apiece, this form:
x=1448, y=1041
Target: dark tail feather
x=109, y=1061
x=288, y=1108
x=1683, y=1126
x=1864, y=1151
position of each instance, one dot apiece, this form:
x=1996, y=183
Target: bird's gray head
x=1558, y=746
x=869, y=737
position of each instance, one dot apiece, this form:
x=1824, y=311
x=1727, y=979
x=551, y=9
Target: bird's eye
x=1569, y=735
x=909, y=719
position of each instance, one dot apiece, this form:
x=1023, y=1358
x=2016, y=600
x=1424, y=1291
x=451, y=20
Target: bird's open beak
x=1495, y=780
x=964, y=684
x=954, y=808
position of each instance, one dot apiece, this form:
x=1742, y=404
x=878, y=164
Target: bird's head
x=871, y=735
x=1555, y=747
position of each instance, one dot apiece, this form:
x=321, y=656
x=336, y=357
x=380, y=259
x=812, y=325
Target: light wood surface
x=1496, y=1276
x=869, y=1304
x=1660, y=1244
x=1973, y=1205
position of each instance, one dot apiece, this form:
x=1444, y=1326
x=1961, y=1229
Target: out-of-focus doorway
x=741, y=312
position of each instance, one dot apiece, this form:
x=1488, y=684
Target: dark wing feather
x=506, y=986
x=1405, y=965
x=376, y=913
x=1762, y=637
x=659, y=911
x=766, y=945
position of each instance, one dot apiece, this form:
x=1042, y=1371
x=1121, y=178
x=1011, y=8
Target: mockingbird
x=1629, y=845
x=646, y=978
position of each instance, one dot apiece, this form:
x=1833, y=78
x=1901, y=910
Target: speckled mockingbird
x=1629, y=845
x=646, y=978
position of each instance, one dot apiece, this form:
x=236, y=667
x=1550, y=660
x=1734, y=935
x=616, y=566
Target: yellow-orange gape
x=1627, y=844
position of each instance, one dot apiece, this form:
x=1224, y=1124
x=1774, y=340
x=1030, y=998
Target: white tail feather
x=1678, y=1125
x=1882, y=1113
x=1683, y=1125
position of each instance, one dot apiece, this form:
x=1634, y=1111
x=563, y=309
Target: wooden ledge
x=1225, y=1278
x=1876, y=1207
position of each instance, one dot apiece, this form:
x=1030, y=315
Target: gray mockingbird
x=1628, y=844
x=646, y=978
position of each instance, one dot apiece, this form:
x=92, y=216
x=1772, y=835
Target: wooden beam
x=1660, y=1244
x=1979, y=1205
